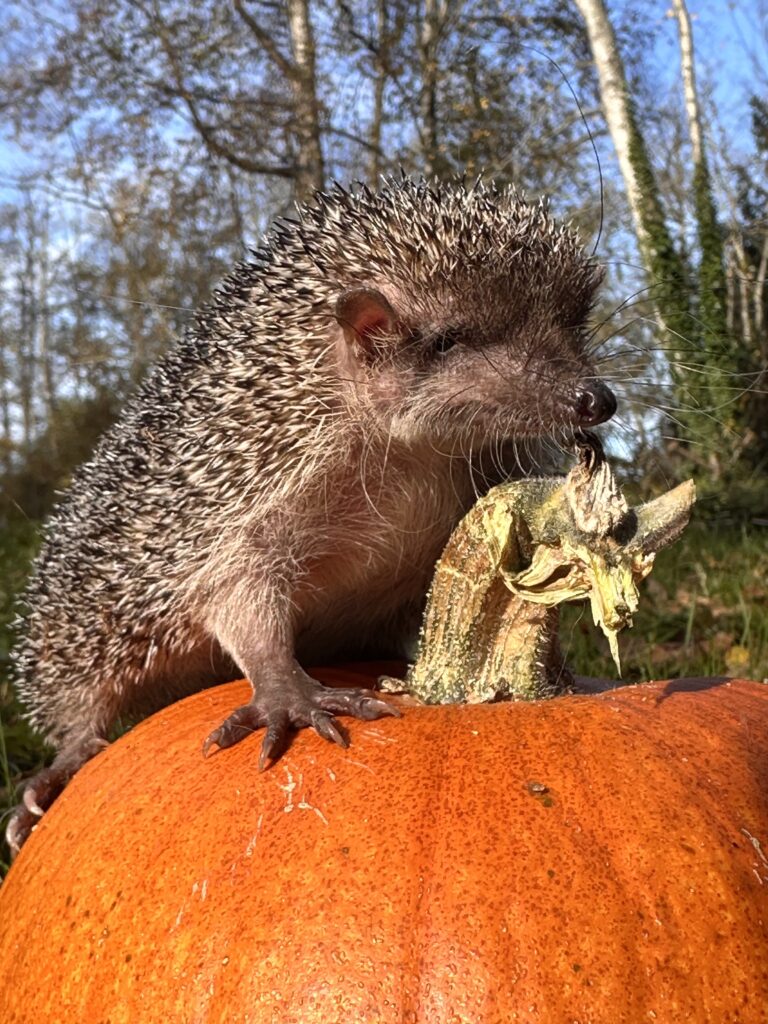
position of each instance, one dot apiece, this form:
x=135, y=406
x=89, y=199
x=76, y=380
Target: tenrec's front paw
x=299, y=704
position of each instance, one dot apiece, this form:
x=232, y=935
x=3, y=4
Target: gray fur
x=255, y=493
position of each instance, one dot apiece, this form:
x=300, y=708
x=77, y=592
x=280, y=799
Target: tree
x=690, y=304
x=171, y=137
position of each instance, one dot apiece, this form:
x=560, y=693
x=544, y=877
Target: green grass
x=703, y=611
x=20, y=751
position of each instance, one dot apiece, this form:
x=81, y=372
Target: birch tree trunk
x=432, y=26
x=310, y=173
x=759, y=303
x=712, y=283
x=730, y=280
x=299, y=69
x=26, y=356
x=688, y=68
x=6, y=439
x=43, y=301
x=619, y=116
x=743, y=276
x=666, y=269
x=379, y=85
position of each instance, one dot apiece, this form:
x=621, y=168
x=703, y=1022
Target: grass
x=20, y=751
x=703, y=611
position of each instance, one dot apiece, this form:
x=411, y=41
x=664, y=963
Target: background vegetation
x=146, y=144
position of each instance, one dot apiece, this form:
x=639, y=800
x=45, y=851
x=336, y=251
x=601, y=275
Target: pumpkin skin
x=423, y=875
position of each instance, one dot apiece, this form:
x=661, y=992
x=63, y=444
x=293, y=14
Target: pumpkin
x=591, y=859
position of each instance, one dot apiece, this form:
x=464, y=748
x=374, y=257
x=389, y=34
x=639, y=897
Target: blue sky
x=730, y=40
x=728, y=36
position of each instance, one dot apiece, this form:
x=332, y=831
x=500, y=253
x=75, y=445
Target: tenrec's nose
x=595, y=404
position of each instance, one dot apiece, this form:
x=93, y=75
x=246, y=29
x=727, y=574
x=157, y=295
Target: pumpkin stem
x=491, y=624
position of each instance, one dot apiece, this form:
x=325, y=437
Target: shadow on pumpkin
x=693, y=684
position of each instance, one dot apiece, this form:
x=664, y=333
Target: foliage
x=669, y=273
x=30, y=487
x=702, y=612
x=711, y=286
x=20, y=751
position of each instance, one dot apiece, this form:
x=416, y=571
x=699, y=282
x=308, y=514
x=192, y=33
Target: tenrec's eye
x=444, y=343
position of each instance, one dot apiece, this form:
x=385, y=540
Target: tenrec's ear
x=364, y=315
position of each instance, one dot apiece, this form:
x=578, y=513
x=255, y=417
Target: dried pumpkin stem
x=490, y=629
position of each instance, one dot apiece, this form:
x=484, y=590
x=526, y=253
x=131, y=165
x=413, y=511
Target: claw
x=265, y=758
x=29, y=799
x=278, y=726
x=210, y=741
x=19, y=829
x=293, y=703
x=325, y=725
x=375, y=708
x=41, y=791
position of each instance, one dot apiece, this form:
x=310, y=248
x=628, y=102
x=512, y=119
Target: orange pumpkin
x=592, y=859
